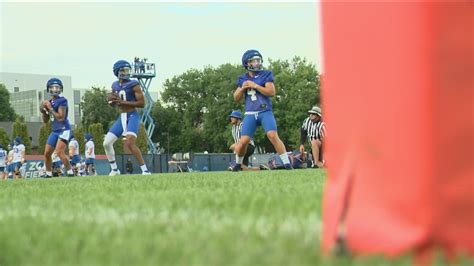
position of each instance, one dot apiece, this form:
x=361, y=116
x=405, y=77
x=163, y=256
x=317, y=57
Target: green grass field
x=211, y=218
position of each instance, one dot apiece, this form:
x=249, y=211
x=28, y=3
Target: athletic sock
x=113, y=165
x=284, y=158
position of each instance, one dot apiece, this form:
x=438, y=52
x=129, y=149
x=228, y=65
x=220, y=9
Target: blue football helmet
x=17, y=140
x=252, y=60
x=122, y=69
x=88, y=136
x=236, y=114
x=1, y=147
x=54, y=86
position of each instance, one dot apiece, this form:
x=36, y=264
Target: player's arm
x=267, y=90
x=60, y=115
x=303, y=136
x=22, y=156
x=89, y=152
x=44, y=111
x=140, y=102
x=239, y=92
x=71, y=151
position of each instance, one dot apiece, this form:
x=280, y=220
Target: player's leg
x=92, y=167
x=269, y=125
x=316, y=151
x=63, y=140
x=48, y=152
x=114, y=133
x=73, y=161
x=2, y=173
x=10, y=168
x=133, y=126
x=248, y=129
x=16, y=170
x=248, y=153
x=61, y=152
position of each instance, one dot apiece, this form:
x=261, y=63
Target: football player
x=89, y=155
x=128, y=96
x=56, y=109
x=18, y=157
x=256, y=87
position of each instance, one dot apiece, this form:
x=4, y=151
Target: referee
x=236, y=121
x=314, y=130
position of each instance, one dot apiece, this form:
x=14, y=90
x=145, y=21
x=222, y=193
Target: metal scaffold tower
x=145, y=72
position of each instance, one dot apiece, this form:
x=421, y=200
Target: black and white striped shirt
x=312, y=130
x=236, y=131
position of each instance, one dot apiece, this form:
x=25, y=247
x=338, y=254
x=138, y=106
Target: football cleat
x=236, y=167
x=288, y=166
x=114, y=172
x=146, y=172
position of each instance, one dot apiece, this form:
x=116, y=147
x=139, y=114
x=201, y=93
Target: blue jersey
x=60, y=125
x=125, y=90
x=255, y=101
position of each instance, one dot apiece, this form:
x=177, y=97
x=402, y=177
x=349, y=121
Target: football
x=44, y=107
x=112, y=98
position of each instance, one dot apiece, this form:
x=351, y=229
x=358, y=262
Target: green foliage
x=20, y=129
x=195, y=105
x=96, y=110
x=97, y=133
x=142, y=143
x=79, y=134
x=4, y=140
x=167, y=120
x=7, y=113
x=44, y=133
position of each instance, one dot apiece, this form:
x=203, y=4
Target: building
x=27, y=91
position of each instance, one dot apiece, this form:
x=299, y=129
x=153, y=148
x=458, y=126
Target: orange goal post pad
x=397, y=94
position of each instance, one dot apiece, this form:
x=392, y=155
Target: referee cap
x=316, y=110
x=236, y=114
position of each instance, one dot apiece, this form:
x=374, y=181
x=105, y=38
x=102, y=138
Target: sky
x=84, y=39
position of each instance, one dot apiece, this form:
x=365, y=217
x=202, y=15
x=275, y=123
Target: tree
x=4, y=140
x=44, y=133
x=97, y=133
x=167, y=121
x=190, y=101
x=6, y=112
x=20, y=129
x=142, y=139
x=96, y=110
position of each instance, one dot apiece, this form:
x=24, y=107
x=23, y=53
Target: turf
x=207, y=218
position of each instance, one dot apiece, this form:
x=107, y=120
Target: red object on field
x=398, y=100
